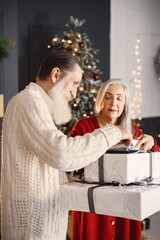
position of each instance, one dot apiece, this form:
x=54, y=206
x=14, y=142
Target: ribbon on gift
x=147, y=181
x=101, y=167
x=150, y=164
x=90, y=192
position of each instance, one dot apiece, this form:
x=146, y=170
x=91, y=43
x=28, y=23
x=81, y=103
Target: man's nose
x=74, y=92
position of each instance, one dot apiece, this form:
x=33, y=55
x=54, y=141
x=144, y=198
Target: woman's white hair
x=125, y=118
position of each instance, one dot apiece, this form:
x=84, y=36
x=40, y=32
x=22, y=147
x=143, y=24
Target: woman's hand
x=145, y=142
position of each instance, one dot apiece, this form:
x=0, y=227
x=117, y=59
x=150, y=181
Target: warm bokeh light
x=136, y=73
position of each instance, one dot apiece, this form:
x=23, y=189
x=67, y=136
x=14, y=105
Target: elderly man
x=36, y=154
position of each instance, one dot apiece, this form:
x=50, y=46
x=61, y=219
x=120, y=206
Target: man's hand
x=145, y=142
x=126, y=135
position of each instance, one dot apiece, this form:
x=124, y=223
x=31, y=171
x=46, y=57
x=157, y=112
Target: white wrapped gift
x=124, y=167
x=133, y=202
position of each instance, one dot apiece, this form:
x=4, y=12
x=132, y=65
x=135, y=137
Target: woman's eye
x=108, y=97
x=120, y=99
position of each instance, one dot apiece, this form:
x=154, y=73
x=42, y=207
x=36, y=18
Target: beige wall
x=132, y=19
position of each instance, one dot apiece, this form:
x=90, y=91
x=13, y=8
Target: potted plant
x=5, y=44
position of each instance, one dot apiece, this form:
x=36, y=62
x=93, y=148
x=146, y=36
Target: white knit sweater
x=35, y=156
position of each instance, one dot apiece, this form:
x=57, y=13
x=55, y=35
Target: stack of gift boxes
x=118, y=184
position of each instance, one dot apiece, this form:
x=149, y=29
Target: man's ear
x=54, y=74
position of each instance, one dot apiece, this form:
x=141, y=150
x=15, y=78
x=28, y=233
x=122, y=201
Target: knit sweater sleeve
x=39, y=133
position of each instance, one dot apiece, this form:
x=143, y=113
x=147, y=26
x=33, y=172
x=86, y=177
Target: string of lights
x=136, y=78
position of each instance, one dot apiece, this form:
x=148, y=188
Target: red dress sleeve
x=83, y=126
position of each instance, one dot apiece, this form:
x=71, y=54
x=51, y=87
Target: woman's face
x=113, y=102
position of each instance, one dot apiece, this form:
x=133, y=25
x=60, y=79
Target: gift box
x=133, y=202
x=123, y=167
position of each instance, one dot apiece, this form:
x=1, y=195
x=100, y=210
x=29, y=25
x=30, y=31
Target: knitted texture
x=35, y=156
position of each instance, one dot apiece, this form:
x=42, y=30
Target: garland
x=157, y=63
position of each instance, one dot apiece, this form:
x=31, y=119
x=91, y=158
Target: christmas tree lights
x=80, y=45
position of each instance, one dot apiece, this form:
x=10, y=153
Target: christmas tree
x=80, y=45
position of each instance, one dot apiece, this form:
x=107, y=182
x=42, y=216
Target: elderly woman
x=112, y=107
